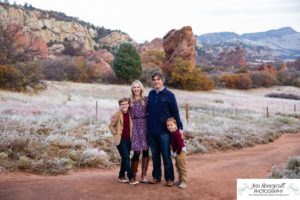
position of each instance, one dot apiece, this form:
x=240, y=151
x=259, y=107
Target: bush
x=11, y=78
x=244, y=81
x=127, y=63
x=55, y=167
x=152, y=58
x=263, y=79
x=24, y=163
x=65, y=68
x=94, y=157
x=32, y=72
x=186, y=78
x=237, y=81
x=292, y=169
x=3, y=156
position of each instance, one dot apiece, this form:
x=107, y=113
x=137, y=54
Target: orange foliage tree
x=185, y=77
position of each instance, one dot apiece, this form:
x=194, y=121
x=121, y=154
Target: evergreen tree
x=127, y=63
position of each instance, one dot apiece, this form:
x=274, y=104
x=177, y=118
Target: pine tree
x=127, y=63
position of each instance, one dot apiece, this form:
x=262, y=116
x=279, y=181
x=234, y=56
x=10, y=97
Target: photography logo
x=268, y=189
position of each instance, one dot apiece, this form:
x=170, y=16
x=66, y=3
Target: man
x=161, y=106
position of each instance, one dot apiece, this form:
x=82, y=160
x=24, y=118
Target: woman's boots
x=134, y=166
x=145, y=163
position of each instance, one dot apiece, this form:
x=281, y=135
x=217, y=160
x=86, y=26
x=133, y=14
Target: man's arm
x=175, y=111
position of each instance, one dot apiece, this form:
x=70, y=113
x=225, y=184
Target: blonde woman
x=138, y=112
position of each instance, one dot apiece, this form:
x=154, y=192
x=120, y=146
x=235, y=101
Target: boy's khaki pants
x=181, y=167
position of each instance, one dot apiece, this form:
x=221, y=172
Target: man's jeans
x=160, y=145
x=124, y=150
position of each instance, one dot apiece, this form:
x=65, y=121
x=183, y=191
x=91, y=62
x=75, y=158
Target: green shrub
x=24, y=163
x=3, y=156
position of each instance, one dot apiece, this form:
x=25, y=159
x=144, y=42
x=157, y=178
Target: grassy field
x=57, y=129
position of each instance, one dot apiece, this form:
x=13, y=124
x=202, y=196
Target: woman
x=138, y=112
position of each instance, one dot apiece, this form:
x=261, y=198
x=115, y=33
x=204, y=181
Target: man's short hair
x=124, y=99
x=158, y=74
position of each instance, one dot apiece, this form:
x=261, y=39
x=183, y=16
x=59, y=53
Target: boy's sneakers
x=123, y=180
x=133, y=181
x=177, y=183
x=182, y=185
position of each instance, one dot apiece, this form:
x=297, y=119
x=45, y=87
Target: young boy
x=178, y=152
x=121, y=128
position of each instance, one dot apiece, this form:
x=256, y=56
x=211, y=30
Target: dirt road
x=211, y=176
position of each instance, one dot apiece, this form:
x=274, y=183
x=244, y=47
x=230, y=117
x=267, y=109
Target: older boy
x=121, y=128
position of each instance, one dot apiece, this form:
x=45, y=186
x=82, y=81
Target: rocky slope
x=283, y=44
x=57, y=29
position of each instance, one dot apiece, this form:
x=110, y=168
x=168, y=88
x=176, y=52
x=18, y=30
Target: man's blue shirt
x=161, y=106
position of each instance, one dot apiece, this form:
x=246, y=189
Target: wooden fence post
x=187, y=113
x=267, y=112
x=96, y=110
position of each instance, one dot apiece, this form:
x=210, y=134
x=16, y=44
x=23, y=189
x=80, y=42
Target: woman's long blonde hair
x=132, y=98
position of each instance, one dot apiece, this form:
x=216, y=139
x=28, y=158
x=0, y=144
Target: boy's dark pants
x=124, y=150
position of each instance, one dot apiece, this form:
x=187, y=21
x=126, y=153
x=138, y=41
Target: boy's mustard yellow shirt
x=116, y=127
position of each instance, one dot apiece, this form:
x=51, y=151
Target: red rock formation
x=155, y=44
x=99, y=63
x=282, y=67
x=28, y=43
x=269, y=68
x=233, y=58
x=180, y=43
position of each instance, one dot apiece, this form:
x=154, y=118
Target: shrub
x=127, y=63
x=3, y=156
x=55, y=166
x=187, y=78
x=244, y=81
x=237, y=81
x=94, y=157
x=263, y=79
x=32, y=72
x=11, y=78
x=152, y=58
x=292, y=169
x=24, y=163
x=65, y=68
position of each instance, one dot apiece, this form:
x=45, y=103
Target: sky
x=145, y=20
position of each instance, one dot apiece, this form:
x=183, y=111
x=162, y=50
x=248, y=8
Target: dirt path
x=212, y=176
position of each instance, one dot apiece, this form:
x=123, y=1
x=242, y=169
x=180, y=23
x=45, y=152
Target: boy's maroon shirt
x=177, y=141
x=126, y=126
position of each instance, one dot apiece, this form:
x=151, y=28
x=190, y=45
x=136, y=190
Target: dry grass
x=56, y=130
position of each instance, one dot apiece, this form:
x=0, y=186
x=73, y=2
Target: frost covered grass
x=56, y=130
x=291, y=170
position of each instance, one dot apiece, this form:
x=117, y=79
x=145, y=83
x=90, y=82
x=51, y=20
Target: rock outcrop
x=232, y=58
x=114, y=39
x=44, y=25
x=180, y=43
x=155, y=44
